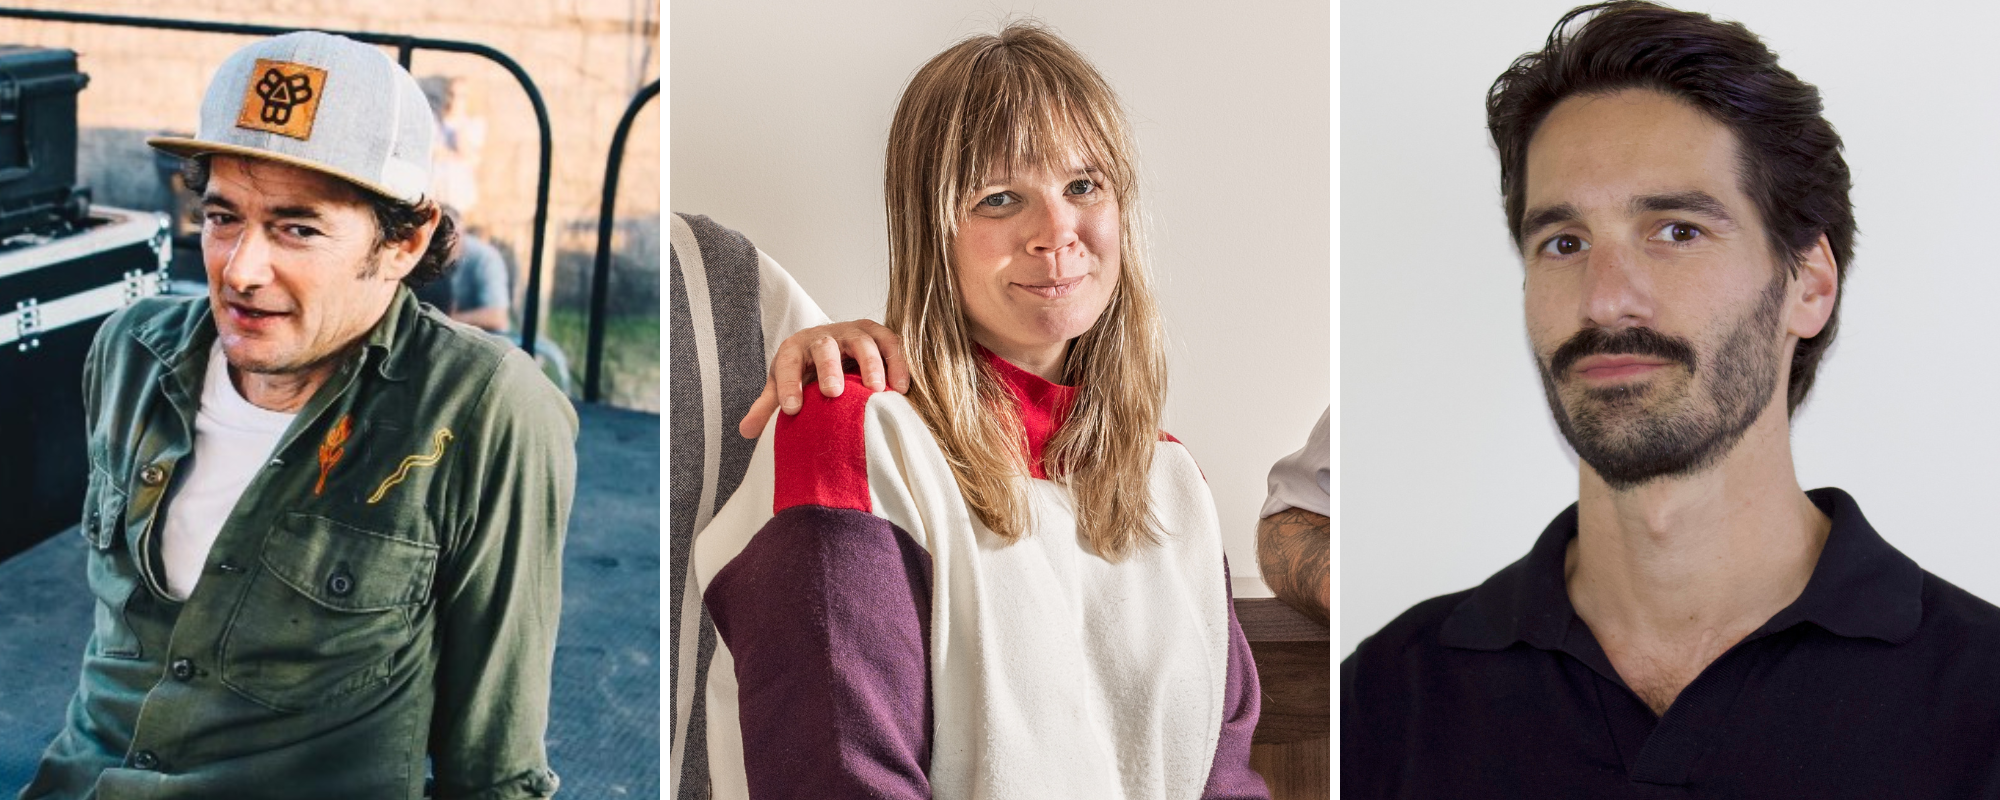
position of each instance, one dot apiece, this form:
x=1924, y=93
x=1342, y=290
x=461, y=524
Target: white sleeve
x=786, y=307
x=1299, y=480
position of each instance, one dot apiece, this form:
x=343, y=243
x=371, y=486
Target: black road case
x=54, y=293
x=38, y=191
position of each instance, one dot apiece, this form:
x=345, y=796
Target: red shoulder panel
x=821, y=452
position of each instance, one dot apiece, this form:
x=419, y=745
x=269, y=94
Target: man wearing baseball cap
x=324, y=522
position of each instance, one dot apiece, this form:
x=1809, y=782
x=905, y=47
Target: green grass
x=631, y=356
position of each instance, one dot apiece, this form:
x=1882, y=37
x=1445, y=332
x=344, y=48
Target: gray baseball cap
x=321, y=102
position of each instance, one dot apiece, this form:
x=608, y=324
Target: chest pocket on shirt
x=109, y=569
x=330, y=612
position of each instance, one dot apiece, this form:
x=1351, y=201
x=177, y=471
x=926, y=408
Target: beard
x=1676, y=424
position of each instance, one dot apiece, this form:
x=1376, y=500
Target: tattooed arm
x=1292, y=553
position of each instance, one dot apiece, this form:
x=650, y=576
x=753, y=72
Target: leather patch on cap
x=282, y=98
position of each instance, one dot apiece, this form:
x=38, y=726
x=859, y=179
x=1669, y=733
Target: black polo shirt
x=1880, y=681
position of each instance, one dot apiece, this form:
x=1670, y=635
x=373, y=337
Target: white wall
x=1450, y=464
x=780, y=112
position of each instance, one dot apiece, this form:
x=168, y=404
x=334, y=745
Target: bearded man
x=1696, y=625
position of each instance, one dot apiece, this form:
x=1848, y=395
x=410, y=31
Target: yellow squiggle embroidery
x=438, y=441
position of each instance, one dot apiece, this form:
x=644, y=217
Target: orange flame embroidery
x=330, y=450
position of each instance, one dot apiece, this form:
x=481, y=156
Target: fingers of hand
x=885, y=350
x=760, y=413
x=817, y=353
x=892, y=357
x=784, y=377
x=864, y=352
x=826, y=360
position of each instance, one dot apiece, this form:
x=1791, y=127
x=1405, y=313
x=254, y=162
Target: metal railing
x=600, y=273
x=405, y=45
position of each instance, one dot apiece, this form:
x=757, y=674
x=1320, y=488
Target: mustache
x=1626, y=341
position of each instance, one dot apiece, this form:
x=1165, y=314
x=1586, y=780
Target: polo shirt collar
x=1525, y=602
x=1860, y=588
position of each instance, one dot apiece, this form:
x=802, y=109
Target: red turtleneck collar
x=1043, y=406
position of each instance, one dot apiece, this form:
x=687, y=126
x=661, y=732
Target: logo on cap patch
x=282, y=98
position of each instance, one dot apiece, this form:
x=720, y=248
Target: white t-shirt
x=232, y=440
x=1299, y=480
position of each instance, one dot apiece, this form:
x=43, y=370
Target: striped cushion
x=730, y=306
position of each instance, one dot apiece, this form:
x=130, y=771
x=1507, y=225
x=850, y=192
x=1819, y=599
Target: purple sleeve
x=1231, y=777
x=827, y=615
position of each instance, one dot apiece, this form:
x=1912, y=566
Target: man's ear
x=400, y=257
x=1814, y=291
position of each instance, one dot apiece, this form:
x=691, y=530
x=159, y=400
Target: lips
x=1052, y=289
x=247, y=317
x=1597, y=353
x=1612, y=367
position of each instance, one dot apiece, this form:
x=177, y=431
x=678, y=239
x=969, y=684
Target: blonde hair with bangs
x=1000, y=103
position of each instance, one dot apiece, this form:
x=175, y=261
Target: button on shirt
x=380, y=604
x=232, y=440
x=1880, y=681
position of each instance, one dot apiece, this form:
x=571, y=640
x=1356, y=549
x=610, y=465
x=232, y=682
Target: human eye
x=1563, y=245
x=997, y=202
x=1678, y=232
x=1081, y=186
x=217, y=218
x=298, y=231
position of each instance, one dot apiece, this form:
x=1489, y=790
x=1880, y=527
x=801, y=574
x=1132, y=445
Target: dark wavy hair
x=395, y=221
x=1791, y=163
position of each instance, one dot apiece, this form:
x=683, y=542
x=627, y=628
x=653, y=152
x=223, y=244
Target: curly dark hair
x=395, y=221
x=1791, y=163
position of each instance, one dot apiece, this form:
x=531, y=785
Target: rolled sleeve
x=500, y=595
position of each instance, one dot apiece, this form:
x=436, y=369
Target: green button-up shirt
x=385, y=592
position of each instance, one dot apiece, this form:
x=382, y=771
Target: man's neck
x=1672, y=573
x=287, y=392
x=281, y=392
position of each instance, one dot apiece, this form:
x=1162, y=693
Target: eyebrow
x=1548, y=215
x=296, y=212
x=1693, y=201
x=281, y=212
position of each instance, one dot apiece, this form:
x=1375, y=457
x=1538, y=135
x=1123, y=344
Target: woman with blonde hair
x=1009, y=583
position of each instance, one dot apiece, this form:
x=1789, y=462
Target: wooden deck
x=1292, y=748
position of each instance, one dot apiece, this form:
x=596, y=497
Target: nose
x=1617, y=289
x=247, y=264
x=1054, y=229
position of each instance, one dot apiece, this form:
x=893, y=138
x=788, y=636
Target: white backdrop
x=1450, y=463
x=780, y=111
